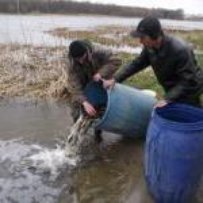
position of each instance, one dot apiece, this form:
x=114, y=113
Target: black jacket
x=175, y=67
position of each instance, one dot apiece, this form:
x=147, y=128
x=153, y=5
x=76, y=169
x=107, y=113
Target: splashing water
x=78, y=139
x=49, y=161
x=78, y=146
x=15, y=181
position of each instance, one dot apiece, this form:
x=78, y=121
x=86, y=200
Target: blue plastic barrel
x=96, y=94
x=174, y=153
x=127, y=110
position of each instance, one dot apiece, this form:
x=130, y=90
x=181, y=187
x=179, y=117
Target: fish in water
x=78, y=148
x=80, y=141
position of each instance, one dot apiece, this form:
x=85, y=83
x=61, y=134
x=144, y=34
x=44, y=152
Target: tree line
x=71, y=7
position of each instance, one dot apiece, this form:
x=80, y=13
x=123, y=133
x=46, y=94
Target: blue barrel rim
x=181, y=126
x=102, y=120
x=104, y=117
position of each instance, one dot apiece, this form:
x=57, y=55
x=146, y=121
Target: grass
x=40, y=71
x=146, y=79
x=118, y=36
x=36, y=72
x=194, y=37
x=200, y=59
x=110, y=35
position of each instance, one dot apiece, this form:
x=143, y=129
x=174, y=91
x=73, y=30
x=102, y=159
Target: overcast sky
x=189, y=6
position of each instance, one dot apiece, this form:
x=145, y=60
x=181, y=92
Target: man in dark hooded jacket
x=86, y=63
x=172, y=61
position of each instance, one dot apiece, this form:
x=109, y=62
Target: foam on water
x=44, y=160
x=52, y=161
x=31, y=169
x=16, y=181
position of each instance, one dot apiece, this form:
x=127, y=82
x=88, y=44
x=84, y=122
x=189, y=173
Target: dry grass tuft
x=32, y=71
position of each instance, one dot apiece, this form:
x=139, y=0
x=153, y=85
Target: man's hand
x=89, y=109
x=161, y=104
x=108, y=84
x=97, y=77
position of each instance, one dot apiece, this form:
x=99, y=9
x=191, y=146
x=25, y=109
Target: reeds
x=32, y=71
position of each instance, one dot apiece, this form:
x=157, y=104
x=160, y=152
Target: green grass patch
x=118, y=36
x=110, y=35
x=146, y=78
x=194, y=37
x=200, y=59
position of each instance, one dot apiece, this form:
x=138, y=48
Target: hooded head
x=80, y=50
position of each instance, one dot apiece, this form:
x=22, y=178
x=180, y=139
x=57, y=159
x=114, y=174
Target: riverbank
x=40, y=72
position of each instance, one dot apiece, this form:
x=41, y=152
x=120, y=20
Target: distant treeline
x=196, y=18
x=71, y=7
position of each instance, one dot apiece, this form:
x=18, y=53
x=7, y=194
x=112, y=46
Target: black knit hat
x=77, y=48
x=148, y=26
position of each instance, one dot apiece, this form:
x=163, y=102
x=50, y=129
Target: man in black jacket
x=173, y=63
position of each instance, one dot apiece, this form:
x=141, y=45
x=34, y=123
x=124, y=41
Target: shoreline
x=196, y=18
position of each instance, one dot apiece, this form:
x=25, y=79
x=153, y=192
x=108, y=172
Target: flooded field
x=29, y=129
x=33, y=165
x=32, y=29
x=115, y=175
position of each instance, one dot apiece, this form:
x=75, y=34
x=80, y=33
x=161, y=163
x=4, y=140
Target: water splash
x=18, y=184
x=77, y=147
x=49, y=161
x=78, y=139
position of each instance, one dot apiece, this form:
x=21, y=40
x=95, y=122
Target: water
x=71, y=151
x=34, y=169
x=28, y=29
x=28, y=133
